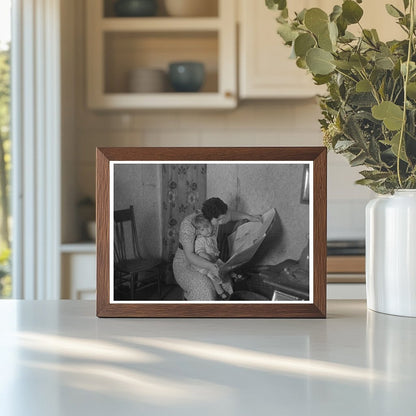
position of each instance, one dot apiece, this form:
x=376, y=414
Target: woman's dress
x=196, y=286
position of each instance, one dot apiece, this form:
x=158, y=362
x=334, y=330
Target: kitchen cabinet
x=346, y=277
x=346, y=268
x=78, y=263
x=265, y=70
x=118, y=45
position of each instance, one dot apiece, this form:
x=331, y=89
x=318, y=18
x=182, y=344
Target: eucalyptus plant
x=369, y=112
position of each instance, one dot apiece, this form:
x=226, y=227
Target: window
x=5, y=147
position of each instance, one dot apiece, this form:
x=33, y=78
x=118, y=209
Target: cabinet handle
x=229, y=94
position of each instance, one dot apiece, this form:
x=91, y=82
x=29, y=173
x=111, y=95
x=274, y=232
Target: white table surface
x=57, y=358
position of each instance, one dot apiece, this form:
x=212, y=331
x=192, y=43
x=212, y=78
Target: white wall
x=257, y=188
x=140, y=185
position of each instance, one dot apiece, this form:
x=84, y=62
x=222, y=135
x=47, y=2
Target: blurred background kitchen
x=188, y=73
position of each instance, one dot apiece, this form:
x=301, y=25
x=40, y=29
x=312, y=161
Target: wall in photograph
x=140, y=186
x=183, y=192
x=257, y=188
x=161, y=199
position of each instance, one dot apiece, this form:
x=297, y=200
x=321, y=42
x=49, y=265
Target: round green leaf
x=333, y=32
x=303, y=43
x=412, y=67
x=287, y=33
x=411, y=90
x=325, y=42
x=347, y=37
x=351, y=11
x=322, y=79
x=327, y=39
x=301, y=63
x=358, y=61
x=319, y=61
x=276, y=4
x=316, y=20
x=393, y=11
x=281, y=4
x=344, y=65
x=342, y=25
x=363, y=86
x=336, y=12
x=384, y=62
x=301, y=15
x=391, y=114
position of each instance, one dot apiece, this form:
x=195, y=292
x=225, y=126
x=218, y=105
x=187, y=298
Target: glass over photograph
x=211, y=232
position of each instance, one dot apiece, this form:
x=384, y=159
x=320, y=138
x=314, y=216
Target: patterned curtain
x=184, y=189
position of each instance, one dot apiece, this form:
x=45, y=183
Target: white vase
x=391, y=253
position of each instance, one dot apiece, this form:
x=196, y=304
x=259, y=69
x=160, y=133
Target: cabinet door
x=266, y=71
x=376, y=17
x=78, y=276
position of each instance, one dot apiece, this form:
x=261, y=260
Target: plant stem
x=346, y=75
x=369, y=41
x=405, y=29
x=405, y=81
x=373, y=88
x=392, y=91
x=397, y=95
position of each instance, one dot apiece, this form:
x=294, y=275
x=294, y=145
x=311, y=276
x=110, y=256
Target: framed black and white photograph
x=211, y=232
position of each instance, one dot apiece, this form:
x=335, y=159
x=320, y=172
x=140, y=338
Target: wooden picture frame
x=261, y=175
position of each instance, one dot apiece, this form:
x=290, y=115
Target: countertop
x=57, y=358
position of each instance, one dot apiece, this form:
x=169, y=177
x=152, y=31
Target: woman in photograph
x=197, y=285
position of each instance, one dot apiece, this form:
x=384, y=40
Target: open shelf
x=210, y=9
x=160, y=24
x=168, y=100
x=116, y=46
x=346, y=269
x=86, y=247
x=346, y=264
x=127, y=51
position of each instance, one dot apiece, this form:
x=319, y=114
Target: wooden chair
x=138, y=272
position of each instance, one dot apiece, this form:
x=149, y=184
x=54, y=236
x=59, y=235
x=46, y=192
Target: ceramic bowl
x=186, y=76
x=191, y=8
x=135, y=8
x=147, y=80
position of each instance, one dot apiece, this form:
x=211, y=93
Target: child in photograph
x=206, y=247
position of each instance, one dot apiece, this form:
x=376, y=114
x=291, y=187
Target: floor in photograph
x=169, y=292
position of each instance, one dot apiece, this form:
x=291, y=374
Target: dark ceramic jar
x=135, y=8
x=186, y=76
